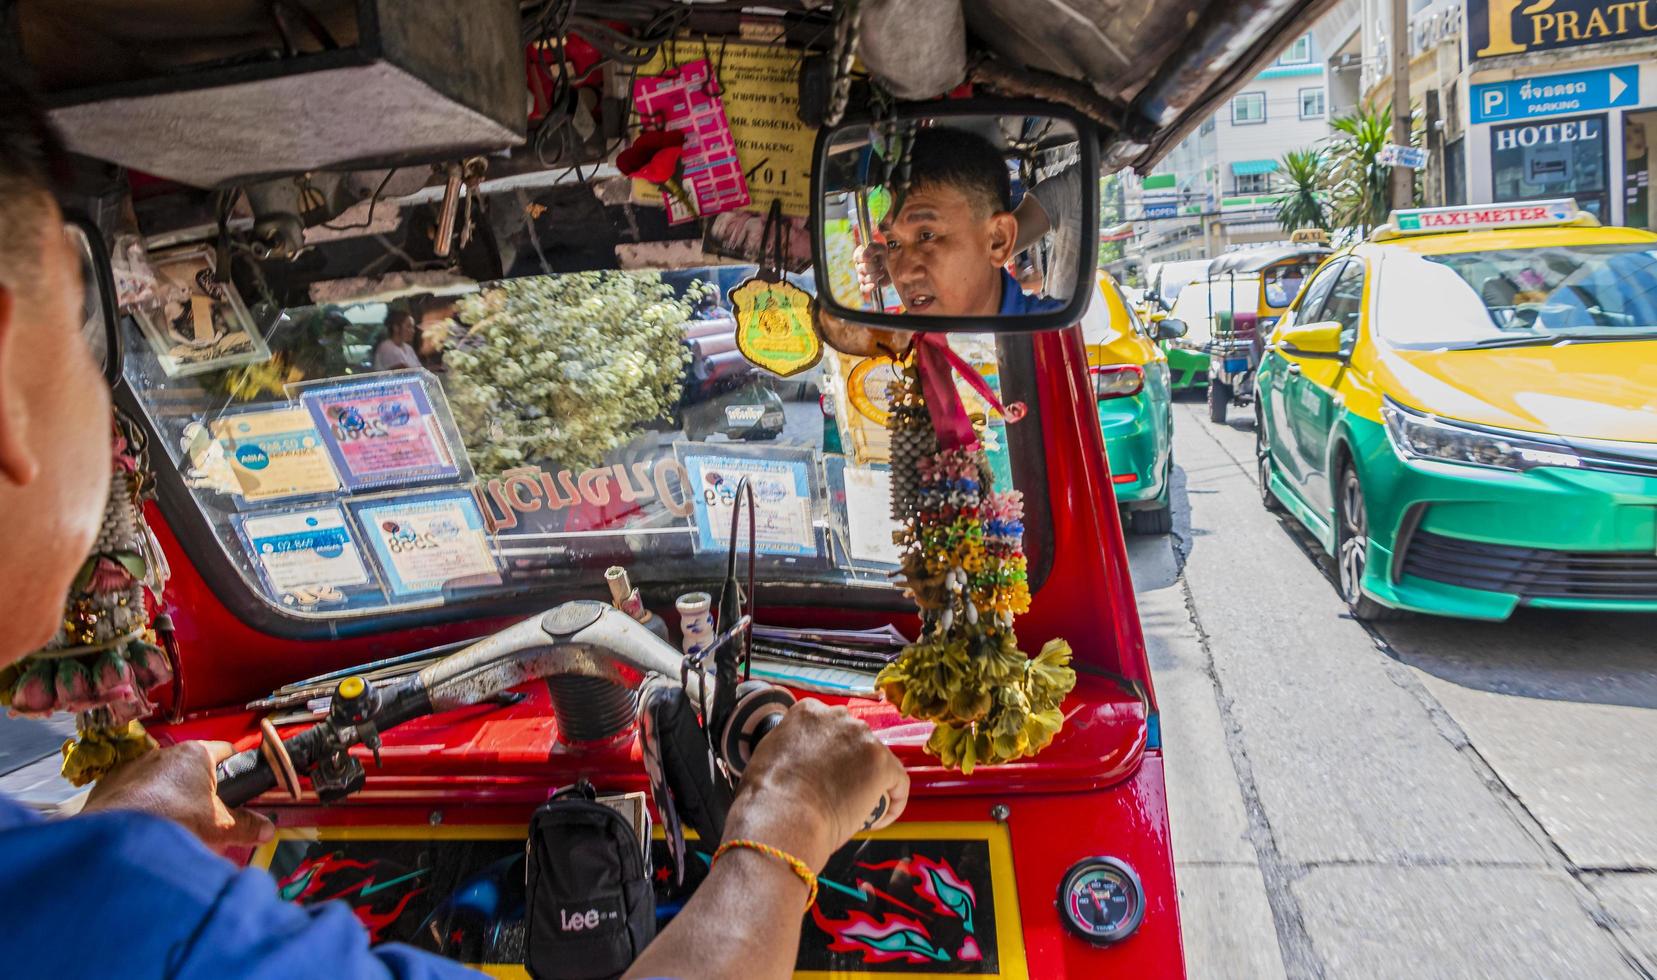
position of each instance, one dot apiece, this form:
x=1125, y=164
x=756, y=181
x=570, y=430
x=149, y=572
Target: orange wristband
x=796, y=865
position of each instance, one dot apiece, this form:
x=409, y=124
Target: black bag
x=590, y=908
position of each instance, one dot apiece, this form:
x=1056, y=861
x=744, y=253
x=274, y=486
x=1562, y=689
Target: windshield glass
x=1530, y=295
x=525, y=435
x=1199, y=301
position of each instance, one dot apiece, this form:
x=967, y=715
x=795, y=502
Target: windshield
x=1199, y=301
x=524, y=436
x=1517, y=296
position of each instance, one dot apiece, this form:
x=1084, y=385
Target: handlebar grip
x=244, y=776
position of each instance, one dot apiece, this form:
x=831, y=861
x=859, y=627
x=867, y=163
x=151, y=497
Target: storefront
x=1562, y=102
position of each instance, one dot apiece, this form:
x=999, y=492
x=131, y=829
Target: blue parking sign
x=1556, y=95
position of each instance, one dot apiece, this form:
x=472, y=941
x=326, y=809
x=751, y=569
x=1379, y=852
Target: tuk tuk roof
x=1258, y=260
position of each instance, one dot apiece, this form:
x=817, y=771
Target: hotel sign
x=1503, y=27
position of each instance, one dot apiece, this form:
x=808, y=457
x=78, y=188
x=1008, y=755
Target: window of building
x=1311, y=103
x=1253, y=183
x=1248, y=109
x=1298, y=53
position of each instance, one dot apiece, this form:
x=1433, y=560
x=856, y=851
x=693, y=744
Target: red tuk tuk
x=357, y=525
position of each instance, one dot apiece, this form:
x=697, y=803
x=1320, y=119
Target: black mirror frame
x=105, y=275
x=1087, y=260
x=1184, y=328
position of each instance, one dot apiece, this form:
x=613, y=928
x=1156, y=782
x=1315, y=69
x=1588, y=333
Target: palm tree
x=1359, y=184
x=1303, y=206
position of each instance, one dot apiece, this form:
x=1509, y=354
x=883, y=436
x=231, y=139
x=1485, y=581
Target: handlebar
x=583, y=637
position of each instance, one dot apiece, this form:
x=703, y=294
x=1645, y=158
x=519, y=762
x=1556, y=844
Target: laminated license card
x=782, y=501
x=275, y=454
x=383, y=431
x=305, y=557
x=428, y=542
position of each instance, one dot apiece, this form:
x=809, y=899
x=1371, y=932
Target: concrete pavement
x=1431, y=799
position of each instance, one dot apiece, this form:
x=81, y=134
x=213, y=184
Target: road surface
x=1430, y=798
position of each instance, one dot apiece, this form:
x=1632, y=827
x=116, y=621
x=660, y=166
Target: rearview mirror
x=98, y=317
x=1169, y=328
x=966, y=216
x=1312, y=340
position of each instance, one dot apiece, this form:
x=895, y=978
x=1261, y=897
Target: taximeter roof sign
x=1471, y=217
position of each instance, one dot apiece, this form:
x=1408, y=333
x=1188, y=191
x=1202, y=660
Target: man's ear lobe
x=1003, y=235
x=18, y=465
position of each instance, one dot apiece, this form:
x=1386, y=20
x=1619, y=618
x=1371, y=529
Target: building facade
x=1219, y=188
x=1562, y=102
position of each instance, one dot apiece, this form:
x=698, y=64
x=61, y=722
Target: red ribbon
x=936, y=361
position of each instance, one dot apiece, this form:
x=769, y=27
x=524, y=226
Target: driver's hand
x=813, y=783
x=177, y=782
x=871, y=268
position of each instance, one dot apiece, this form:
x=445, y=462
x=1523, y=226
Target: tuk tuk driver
x=948, y=246
x=121, y=889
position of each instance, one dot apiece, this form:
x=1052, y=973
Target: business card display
x=427, y=542
x=386, y=430
x=275, y=454
x=305, y=557
x=782, y=501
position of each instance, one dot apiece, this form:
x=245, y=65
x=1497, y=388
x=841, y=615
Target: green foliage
x=562, y=369
x=1303, y=206
x=1359, y=185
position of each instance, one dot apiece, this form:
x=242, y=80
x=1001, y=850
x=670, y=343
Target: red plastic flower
x=654, y=156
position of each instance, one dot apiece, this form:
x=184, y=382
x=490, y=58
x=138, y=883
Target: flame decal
x=882, y=939
x=311, y=876
x=939, y=884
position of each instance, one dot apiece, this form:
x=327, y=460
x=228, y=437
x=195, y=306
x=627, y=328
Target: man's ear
x=18, y=464
x=1003, y=236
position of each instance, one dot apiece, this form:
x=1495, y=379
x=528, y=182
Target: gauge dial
x=1102, y=900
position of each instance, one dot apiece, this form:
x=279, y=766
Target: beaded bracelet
x=796, y=865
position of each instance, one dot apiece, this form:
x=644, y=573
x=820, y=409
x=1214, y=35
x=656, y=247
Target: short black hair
x=31, y=166
x=963, y=160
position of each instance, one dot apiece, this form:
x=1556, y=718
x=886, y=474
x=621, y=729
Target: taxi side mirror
x=1170, y=328
x=1311, y=340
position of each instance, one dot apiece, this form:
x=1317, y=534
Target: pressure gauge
x=1101, y=900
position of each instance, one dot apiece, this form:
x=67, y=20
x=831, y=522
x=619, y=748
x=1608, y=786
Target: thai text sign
x=1553, y=95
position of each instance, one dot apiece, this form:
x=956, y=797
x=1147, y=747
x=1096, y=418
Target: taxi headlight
x=1415, y=435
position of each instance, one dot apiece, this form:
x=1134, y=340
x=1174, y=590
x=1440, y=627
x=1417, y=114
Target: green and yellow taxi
x=1130, y=380
x=1463, y=411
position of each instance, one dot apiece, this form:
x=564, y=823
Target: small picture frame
x=194, y=319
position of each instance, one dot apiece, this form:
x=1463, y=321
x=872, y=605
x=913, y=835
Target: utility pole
x=1403, y=179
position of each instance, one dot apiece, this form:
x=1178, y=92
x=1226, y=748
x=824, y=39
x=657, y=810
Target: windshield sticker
x=306, y=557
x=616, y=492
x=382, y=433
x=782, y=501
x=275, y=454
x=429, y=542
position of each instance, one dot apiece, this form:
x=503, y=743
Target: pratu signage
x=1504, y=27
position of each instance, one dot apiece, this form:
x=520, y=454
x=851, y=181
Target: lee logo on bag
x=575, y=921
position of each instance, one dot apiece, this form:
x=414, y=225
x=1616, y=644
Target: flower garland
x=963, y=561
x=105, y=656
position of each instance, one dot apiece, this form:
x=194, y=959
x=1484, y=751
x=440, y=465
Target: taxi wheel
x=1263, y=464
x=1351, y=552
x=1159, y=520
x=1219, y=399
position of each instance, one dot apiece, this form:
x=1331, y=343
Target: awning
x=1245, y=168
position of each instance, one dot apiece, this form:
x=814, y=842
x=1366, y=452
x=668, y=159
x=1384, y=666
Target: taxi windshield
x=522, y=436
x=1518, y=296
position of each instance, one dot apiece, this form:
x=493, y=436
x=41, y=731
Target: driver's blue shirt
x=1015, y=303
x=127, y=895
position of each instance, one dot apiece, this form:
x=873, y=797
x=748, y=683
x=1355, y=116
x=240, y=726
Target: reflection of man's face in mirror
x=947, y=246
